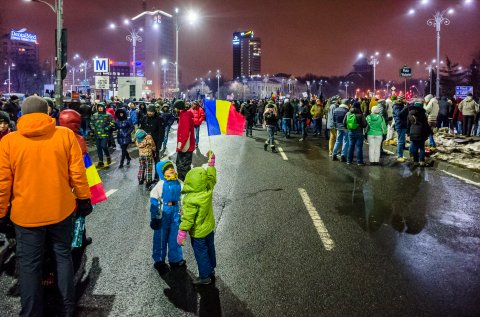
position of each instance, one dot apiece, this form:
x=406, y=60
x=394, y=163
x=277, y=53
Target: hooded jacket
x=198, y=115
x=418, y=127
x=445, y=107
x=154, y=126
x=400, y=114
x=468, y=107
x=164, y=192
x=197, y=207
x=146, y=147
x=124, y=127
x=360, y=118
x=72, y=120
x=331, y=110
x=40, y=164
x=376, y=124
x=339, y=116
x=102, y=124
x=185, y=132
x=431, y=108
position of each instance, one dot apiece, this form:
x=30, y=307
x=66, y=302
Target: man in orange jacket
x=42, y=178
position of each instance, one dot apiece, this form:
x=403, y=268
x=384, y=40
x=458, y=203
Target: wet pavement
x=406, y=240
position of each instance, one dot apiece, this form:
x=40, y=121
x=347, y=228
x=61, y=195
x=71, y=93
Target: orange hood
x=35, y=125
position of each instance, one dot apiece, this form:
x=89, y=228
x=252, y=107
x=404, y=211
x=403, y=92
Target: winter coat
x=468, y=107
x=376, y=124
x=198, y=115
x=270, y=118
x=359, y=117
x=288, y=111
x=457, y=114
x=48, y=159
x=102, y=123
x=418, y=127
x=197, y=207
x=164, y=192
x=303, y=112
x=444, y=107
x=338, y=115
x=400, y=115
x=316, y=111
x=112, y=113
x=146, y=147
x=432, y=109
x=12, y=109
x=168, y=118
x=133, y=116
x=331, y=110
x=85, y=111
x=124, y=128
x=154, y=126
x=248, y=111
x=185, y=132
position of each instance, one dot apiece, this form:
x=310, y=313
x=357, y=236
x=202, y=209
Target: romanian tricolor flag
x=222, y=118
x=94, y=181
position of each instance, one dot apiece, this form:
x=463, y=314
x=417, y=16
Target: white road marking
x=462, y=178
x=282, y=153
x=317, y=221
x=110, y=192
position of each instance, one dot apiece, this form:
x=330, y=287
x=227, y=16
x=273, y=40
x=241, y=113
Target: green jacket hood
x=159, y=167
x=195, y=181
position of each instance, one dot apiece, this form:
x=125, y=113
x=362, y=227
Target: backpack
x=352, y=123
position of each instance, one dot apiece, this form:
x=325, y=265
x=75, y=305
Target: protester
x=248, y=110
x=102, y=125
x=431, y=109
x=270, y=118
x=339, y=114
x=198, y=118
x=197, y=218
x=444, y=109
x=85, y=112
x=355, y=122
x=302, y=117
x=168, y=120
x=44, y=157
x=124, y=134
x=419, y=129
x=376, y=130
x=185, y=139
x=469, y=109
x=154, y=125
x=288, y=115
x=146, y=151
x=317, y=114
x=400, y=114
x=4, y=124
x=165, y=218
x=331, y=125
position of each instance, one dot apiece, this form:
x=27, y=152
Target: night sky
x=322, y=37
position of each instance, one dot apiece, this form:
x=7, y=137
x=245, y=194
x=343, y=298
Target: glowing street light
x=374, y=60
x=133, y=37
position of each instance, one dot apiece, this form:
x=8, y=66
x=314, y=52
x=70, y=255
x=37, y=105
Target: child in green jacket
x=198, y=220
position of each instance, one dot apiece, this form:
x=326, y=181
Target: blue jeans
x=85, y=127
x=342, y=137
x=401, y=141
x=317, y=126
x=415, y=147
x=102, y=147
x=271, y=135
x=166, y=236
x=303, y=127
x=197, y=134
x=165, y=139
x=459, y=127
x=204, y=250
x=355, y=139
x=286, y=126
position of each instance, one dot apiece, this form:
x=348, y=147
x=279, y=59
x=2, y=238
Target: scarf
x=171, y=178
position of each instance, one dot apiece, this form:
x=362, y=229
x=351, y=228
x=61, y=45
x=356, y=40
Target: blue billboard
x=23, y=35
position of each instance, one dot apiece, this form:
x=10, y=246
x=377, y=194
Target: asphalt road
x=297, y=235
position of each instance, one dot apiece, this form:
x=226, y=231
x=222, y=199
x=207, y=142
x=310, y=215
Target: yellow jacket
x=41, y=172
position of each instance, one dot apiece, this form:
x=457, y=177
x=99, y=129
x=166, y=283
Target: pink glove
x=182, y=235
x=211, y=158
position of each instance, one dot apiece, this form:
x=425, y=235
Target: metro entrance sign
x=101, y=65
x=405, y=71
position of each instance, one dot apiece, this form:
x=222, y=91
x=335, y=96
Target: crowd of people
x=42, y=139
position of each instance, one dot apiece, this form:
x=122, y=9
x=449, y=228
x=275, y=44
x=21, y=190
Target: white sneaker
x=301, y=140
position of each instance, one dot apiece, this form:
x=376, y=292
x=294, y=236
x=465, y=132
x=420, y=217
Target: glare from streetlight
x=411, y=12
x=451, y=11
x=424, y=2
x=164, y=61
x=192, y=17
x=360, y=55
x=177, y=10
x=112, y=25
x=389, y=55
x=141, y=29
x=126, y=22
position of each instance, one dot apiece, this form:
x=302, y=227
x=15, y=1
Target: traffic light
x=63, y=46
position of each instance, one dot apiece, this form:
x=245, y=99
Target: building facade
x=247, y=55
x=158, y=43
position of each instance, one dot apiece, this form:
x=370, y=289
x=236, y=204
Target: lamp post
x=165, y=68
x=346, y=84
x=9, y=76
x=374, y=60
x=436, y=22
x=245, y=81
x=57, y=8
x=192, y=17
x=133, y=37
x=218, y=83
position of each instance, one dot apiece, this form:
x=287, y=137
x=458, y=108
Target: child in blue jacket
x=165, y=218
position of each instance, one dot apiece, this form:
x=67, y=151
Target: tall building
x=247, y=54
x=158, y=43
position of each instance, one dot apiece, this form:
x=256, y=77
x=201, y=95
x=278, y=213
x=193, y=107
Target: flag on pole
x=96, y=187
x=223, y=118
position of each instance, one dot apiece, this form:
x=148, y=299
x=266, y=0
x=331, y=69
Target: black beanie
x=179, y=104
x=151, y=108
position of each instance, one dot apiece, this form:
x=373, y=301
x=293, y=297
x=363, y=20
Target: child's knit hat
x=140, y=135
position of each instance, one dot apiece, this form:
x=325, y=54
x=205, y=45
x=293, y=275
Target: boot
x=265, y=146
x=109, y=160
x=100, y=164
x=274, y=150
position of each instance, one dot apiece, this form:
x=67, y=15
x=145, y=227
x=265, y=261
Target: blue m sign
x=100, y=65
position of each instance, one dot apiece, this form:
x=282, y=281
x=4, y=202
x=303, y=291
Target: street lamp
x=346, y=84
x=218, y=83
x=134, y=37
x=437, y=21
x=10, y=65
x=191, y=18
x=57, y=8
